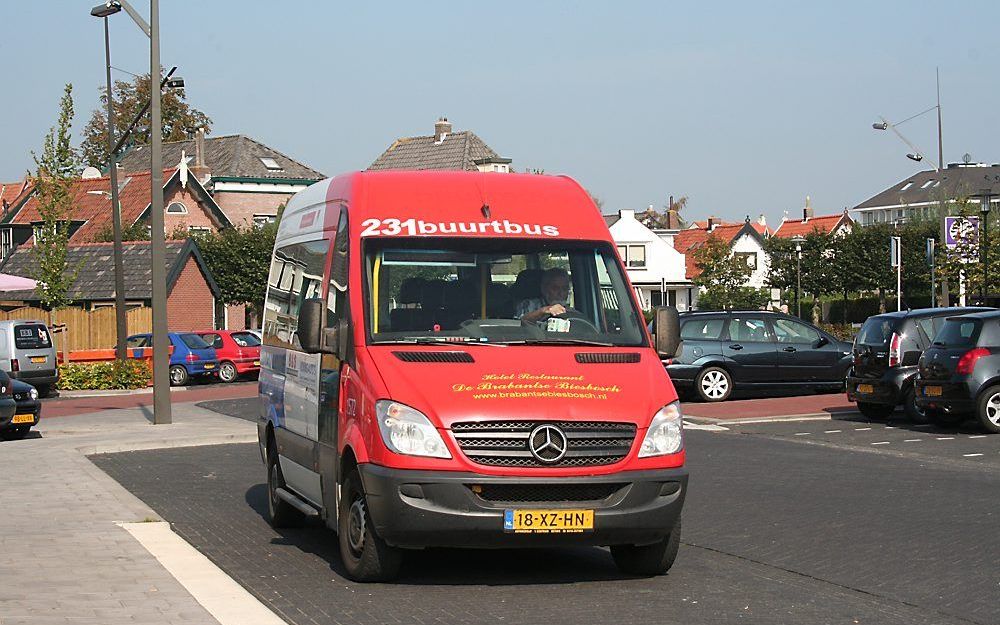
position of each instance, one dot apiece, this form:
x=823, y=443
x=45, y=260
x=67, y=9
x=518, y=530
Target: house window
x=6, y=242
x=199, y=229
x=634, y=256
x=750, y=258
x=271, y=164
x=927, y=184
x=261, y=220
x=177, y=208
x=906, y=186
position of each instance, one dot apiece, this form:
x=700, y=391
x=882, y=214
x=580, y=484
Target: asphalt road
x=779, y=527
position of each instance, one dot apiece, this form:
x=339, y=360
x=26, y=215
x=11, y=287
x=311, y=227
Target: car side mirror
x=820, y=342
x=667, y=331
x=312, y=320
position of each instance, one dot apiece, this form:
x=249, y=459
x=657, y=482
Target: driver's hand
x=556, y=309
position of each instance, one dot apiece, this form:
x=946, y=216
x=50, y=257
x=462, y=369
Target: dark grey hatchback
x=959, y=374
x=735, y=350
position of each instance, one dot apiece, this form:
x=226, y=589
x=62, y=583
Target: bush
x=844, y=332
x=742, y=298
x=118, y=374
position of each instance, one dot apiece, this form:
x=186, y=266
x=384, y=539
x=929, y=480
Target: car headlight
x=665, y=434
x=407, y=431
x=33, y=393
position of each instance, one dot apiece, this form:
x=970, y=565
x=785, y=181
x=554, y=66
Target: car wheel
x=714, y=384
x=15, y=434
x=178, y=375
x=649, y=560
x=875, y=412
x=44, y=390
x=366, y=557
x=912, y=410
x=227, y=372
x=280, y=513
x=989, y=410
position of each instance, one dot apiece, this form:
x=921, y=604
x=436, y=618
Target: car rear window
x=246, y=339
x=194, y=341
x=702, y=329
x=31, y=337
x=958, y=333
x=877, y=331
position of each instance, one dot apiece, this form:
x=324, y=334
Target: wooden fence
x=86, y=329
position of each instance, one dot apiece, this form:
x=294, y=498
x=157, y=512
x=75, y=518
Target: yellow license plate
x=210, y=366
x=38, y=359
x=256, y=363
x=866, y=388
x=932, y=391
x=548, y=521
x=23, y=418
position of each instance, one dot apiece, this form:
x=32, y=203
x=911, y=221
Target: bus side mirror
x=312, y=320
x=667, y=331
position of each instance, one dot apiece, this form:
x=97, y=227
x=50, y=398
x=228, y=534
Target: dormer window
x=271, y=164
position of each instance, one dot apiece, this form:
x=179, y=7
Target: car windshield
x=498, y=291
x=31, y=337
x=194, y=341
x=958, y=333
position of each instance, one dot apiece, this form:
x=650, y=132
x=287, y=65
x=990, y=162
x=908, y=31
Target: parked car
x=238, y=352
x=958, y=376
x=27, y=353
x=734, y=350
x=886, y=352
x=14, y=424
x=191, y=355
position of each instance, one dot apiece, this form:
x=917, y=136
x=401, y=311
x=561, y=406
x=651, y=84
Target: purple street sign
x=960, y=229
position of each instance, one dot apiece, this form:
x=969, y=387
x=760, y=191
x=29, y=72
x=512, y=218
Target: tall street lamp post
x=157, y=244
x=798, y=276
x=984, y=243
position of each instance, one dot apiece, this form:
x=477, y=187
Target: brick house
x=187, y=207
x=837, y=224
x=192, y=293
x=444, y=149
x=247, y=179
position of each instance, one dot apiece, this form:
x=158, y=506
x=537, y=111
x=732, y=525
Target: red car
x=238, y=352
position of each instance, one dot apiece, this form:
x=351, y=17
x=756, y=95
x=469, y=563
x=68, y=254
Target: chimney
x=200, y=170
x=712, y=223
x=807, y=212
x=626, y=213
x=442, y=128
x=762, y=220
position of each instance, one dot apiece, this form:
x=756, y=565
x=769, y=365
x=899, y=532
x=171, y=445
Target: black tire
x=914, y=412
x=875, y=412
x=15, y=434
x=44, y=390
x=649, y=560
x=179, y=375
x=713, y=384
x=227, y=372
x=366, y=557
x=988, y=410
x=279, y=512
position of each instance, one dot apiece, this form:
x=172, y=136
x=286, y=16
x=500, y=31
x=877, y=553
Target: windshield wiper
x=560, y=342
x=432, y=340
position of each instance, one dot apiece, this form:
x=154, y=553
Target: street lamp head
x=880, y=126
x=917, y=156
x=107, y=9
x=175, y=83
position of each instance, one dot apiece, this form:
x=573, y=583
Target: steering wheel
x=575, y=316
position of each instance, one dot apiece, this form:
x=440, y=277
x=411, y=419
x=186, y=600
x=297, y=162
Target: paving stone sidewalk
x=63, y=556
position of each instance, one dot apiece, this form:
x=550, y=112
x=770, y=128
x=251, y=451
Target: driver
x=554, y=300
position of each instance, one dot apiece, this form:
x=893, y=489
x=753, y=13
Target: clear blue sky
x=744, y=107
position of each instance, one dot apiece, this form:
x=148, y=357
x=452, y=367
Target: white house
x=655, y=268
x=745, y=240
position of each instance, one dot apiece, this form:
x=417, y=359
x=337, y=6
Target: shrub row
x=118, y=374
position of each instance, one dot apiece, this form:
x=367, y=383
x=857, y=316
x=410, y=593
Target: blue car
x=192, y=356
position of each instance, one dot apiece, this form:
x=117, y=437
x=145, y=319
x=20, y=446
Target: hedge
x=118, y=374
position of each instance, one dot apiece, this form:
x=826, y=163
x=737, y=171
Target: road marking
x=861, y=429
x=802, y=433
x=831, y=431
x=890, y=427
x=971, y=455
x=978, y=436
x=688, y=425
x=881, y=443
x=924, y=425
x=946, y=438
x=911, y=440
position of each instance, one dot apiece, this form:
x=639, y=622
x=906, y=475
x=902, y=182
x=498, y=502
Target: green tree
x=129, y=98
x=723, y=277
x=53, y=180
x=652, y=218
x=240, y=259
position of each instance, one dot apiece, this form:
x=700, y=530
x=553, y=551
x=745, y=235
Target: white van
x=28, y=354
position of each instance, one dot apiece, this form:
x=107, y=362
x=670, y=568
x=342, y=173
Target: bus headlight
x=407, y=431
x=665, y=434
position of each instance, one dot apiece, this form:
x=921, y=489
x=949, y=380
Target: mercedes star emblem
x=547, y=443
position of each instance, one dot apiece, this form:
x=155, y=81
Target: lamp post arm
x=139, y=21
x=893, y=128
x=135, y=122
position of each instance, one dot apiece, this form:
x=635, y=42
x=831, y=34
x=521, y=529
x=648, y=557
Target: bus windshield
x=497, y=291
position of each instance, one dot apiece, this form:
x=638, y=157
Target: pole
x=930, y=260
x=798, y=284
x=161, y=344
x=121, y=324
x=942, y=212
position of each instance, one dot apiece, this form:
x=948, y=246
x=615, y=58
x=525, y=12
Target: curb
x=815, y=416
x=125, y=392
x=217, y=439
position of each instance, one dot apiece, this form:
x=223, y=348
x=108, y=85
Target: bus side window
x=296, y=274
